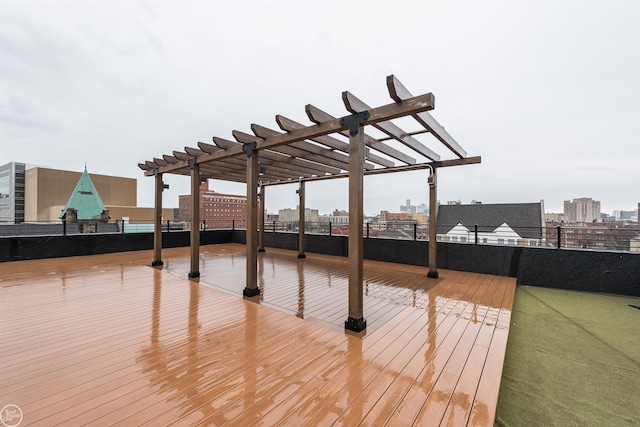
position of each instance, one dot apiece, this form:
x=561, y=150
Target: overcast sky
x=547, y=92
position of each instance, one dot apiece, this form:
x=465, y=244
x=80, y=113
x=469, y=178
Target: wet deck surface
x=107, y=340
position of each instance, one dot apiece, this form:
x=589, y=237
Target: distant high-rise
x=12, y=193
x=581, y=210
x=408, y=207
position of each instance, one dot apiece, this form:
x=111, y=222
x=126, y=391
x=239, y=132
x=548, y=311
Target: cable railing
x=589, y=236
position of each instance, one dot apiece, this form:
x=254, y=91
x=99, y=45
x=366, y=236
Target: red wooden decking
x=107, y=340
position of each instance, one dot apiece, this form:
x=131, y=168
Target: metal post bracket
x=249, y=147
x=353, y=121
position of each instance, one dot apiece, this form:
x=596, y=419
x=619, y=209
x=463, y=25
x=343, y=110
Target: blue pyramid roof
x=85, y=200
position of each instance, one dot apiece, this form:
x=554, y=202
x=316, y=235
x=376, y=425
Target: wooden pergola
x=300, y=153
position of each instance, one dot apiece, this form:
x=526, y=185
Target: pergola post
x=195, y=218
x=433, y=225
x=157, y=223
x=261, y=219
x=253, y=170
x=355, y=321
x=301, y=230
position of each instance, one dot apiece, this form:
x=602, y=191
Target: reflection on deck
x=106, y=340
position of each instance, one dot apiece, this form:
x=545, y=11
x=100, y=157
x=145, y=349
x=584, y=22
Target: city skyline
x=548, y=103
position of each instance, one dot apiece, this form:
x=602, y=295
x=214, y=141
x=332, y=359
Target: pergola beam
x=303, y=167
x=331, y=142
x=399, y=93
x=327, y=164
x=330, y=157
x=388, y=112
x=404, y=168
x=355, y=105
x=316, y=115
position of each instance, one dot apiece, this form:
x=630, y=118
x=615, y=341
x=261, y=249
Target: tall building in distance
x=625, y=215
x=217, y=210
x=581, y=210
x=12, y=193
x=408, y=207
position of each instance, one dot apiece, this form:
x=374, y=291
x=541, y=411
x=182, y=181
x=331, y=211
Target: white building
x=503, y=224
x=502, y=235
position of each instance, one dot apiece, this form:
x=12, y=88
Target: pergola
x=300, y=153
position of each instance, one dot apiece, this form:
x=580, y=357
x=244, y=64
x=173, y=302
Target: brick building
x=217, y=210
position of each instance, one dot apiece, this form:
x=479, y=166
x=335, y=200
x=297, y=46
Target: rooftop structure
x=308, y=153
x=525, y=219
x=85, y=203
x=48, y=190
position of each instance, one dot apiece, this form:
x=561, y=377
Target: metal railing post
x=64, y=227
x=168, y=226
x=367, y=230
x=559, y=236
x=475, y=233
x=415, y=231
x=329, y=228
x=233, y=224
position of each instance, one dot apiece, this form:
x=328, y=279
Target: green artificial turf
x=573, y=359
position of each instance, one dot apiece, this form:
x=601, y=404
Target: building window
x=501, y=241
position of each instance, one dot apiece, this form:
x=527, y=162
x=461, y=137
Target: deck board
x=107, y=340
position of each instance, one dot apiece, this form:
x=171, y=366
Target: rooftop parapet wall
x=581, y=270
x=573, y=269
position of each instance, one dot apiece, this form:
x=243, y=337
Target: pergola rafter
x=318, y=116
x=300, y=153
x=289, y=125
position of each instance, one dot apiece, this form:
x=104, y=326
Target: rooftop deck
x=103, y=340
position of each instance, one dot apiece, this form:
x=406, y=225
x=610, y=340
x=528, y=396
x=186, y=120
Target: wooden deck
x=107, y=340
